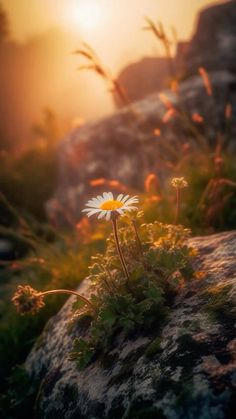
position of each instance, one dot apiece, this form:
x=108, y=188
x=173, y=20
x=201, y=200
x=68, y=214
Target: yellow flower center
x=111, y=205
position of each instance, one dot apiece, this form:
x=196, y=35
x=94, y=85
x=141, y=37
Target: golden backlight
x=44, y=33
x=86, y=15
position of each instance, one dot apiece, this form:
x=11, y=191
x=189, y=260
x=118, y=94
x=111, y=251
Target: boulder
x=140, y=79
x=188, y=372
x=214, y=44
x=124, y=146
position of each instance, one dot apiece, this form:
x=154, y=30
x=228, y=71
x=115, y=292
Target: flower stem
x=122, y=259
x=60, y=291
x=138, y=241
x=177, y=205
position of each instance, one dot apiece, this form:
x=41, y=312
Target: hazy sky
x=113, y=27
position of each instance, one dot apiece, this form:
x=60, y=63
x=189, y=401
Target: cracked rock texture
x=192, y=374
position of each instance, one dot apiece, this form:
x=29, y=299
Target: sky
x=113, y=27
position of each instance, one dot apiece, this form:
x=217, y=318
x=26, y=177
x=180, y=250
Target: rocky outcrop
x=125, y=147
x=188, y=371
x=143, y=78
x=214, y=44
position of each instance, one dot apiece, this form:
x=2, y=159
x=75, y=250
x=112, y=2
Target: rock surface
x=214, y=44
x=192, y=374
x=124, y=146
x=143, y=78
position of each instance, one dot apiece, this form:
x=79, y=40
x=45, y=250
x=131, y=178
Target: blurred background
x=65, y=135
x=38, y=69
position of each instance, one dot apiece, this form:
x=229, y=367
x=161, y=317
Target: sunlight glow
x=86, y=14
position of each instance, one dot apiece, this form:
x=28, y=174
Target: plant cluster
x=140, y=302
x=133, y=284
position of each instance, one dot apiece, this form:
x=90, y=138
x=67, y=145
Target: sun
x=85, y=14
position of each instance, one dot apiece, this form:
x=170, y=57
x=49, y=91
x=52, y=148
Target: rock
x=144, y=77
x=124, y=146
x=214, y=44
x=188, y=372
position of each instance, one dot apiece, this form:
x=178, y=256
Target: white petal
x=120, y=211
x=102, y=214
x=92, y=201
x=92, y=212
x=131, y=201
x=93, y=205
x=108, y=215
x=87, y=210
x=125, y=198
x=131, y=208
x=106, y=195
x=111, y=196
x=119, y=197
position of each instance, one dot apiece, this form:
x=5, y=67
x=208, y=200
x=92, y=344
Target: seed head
x=27, y=300
x=179, y=182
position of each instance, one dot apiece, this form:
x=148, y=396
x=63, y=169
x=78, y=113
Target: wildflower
x=166, y=101
x=206, y=80
x=108, y=207
x=111, y=208
x=97, y=182
x=168, y=115
x=27, y=300
x=196, y=117
x=179, y=182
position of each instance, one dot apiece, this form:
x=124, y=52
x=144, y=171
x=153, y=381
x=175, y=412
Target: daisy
x=106, y=206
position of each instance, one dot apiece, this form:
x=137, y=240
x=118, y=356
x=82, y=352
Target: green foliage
x=141, y=303
x=28, y=181
x=61, y=263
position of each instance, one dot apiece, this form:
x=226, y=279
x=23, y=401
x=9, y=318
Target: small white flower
x=106, y=205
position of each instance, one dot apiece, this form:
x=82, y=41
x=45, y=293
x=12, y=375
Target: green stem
x=122, y=259
x=60, y=291
x=138, y=241
x=177, y=205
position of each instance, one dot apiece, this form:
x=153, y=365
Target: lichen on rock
x=190, y=375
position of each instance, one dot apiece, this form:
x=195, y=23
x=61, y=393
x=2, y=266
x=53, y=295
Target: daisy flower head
x=106, y=206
